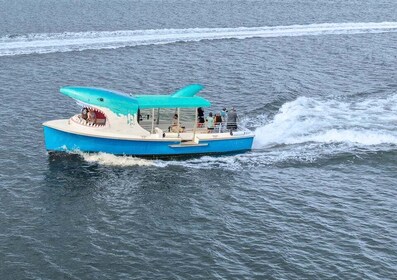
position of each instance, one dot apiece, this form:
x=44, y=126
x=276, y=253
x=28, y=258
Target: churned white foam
x=203, y=162
x=113, y=160
x=39, y=43
x=304, y=120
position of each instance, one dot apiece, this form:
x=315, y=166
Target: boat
x=140, y=125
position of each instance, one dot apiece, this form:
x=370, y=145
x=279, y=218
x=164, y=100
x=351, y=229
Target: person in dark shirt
x=232, y=119
x=200, y=116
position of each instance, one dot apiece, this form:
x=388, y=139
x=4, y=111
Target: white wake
x=113, y=160
x=40, y=43
x=369, y=122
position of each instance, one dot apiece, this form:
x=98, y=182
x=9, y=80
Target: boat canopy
x=183, y=98
x=124, y=104
x=166, y=101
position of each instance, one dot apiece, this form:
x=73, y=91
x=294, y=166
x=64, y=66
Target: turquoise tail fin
x=188, y=91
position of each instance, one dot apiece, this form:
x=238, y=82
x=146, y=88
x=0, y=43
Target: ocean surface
x=316, y=198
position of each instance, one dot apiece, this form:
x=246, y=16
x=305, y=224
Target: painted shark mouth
x=90, y=116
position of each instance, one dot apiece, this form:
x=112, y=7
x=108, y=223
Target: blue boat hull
x=60, y=141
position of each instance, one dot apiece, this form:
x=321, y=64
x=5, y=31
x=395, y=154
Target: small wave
x=40, y=43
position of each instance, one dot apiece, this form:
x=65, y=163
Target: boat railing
x=186, y=127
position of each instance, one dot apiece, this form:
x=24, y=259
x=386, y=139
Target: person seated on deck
x=91, y=117
x=84, y=113
x=176, y=126
x=210, y=123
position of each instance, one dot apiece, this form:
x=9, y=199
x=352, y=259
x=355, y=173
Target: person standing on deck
x=224, y=118
x=224, y=114
x=200, y=117
x=210, y=123
x=232, y=119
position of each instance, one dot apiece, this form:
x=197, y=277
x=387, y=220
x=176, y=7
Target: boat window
x=163, y=119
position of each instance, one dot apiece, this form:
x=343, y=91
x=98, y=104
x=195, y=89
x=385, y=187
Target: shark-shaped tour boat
x=140, y=125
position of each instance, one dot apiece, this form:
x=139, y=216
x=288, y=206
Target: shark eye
x=100, y=99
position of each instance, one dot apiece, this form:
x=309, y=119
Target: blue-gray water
x=315, y=199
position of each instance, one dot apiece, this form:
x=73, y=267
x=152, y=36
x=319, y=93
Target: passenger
x=224, y=114
x=176, y=126
x=200, y=117
x=210, y=123
x=84, y=113
x=232, y=119
x=139, y=115
x=91, y=118
x=218, y=119
x=218, y=122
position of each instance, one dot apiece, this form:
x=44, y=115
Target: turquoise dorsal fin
x=188, y=91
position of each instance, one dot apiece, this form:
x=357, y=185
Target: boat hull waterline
x=62, y=141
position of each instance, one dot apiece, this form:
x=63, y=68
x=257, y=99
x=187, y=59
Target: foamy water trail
x=40, y=43
x=365, y=123
x=112, y=160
